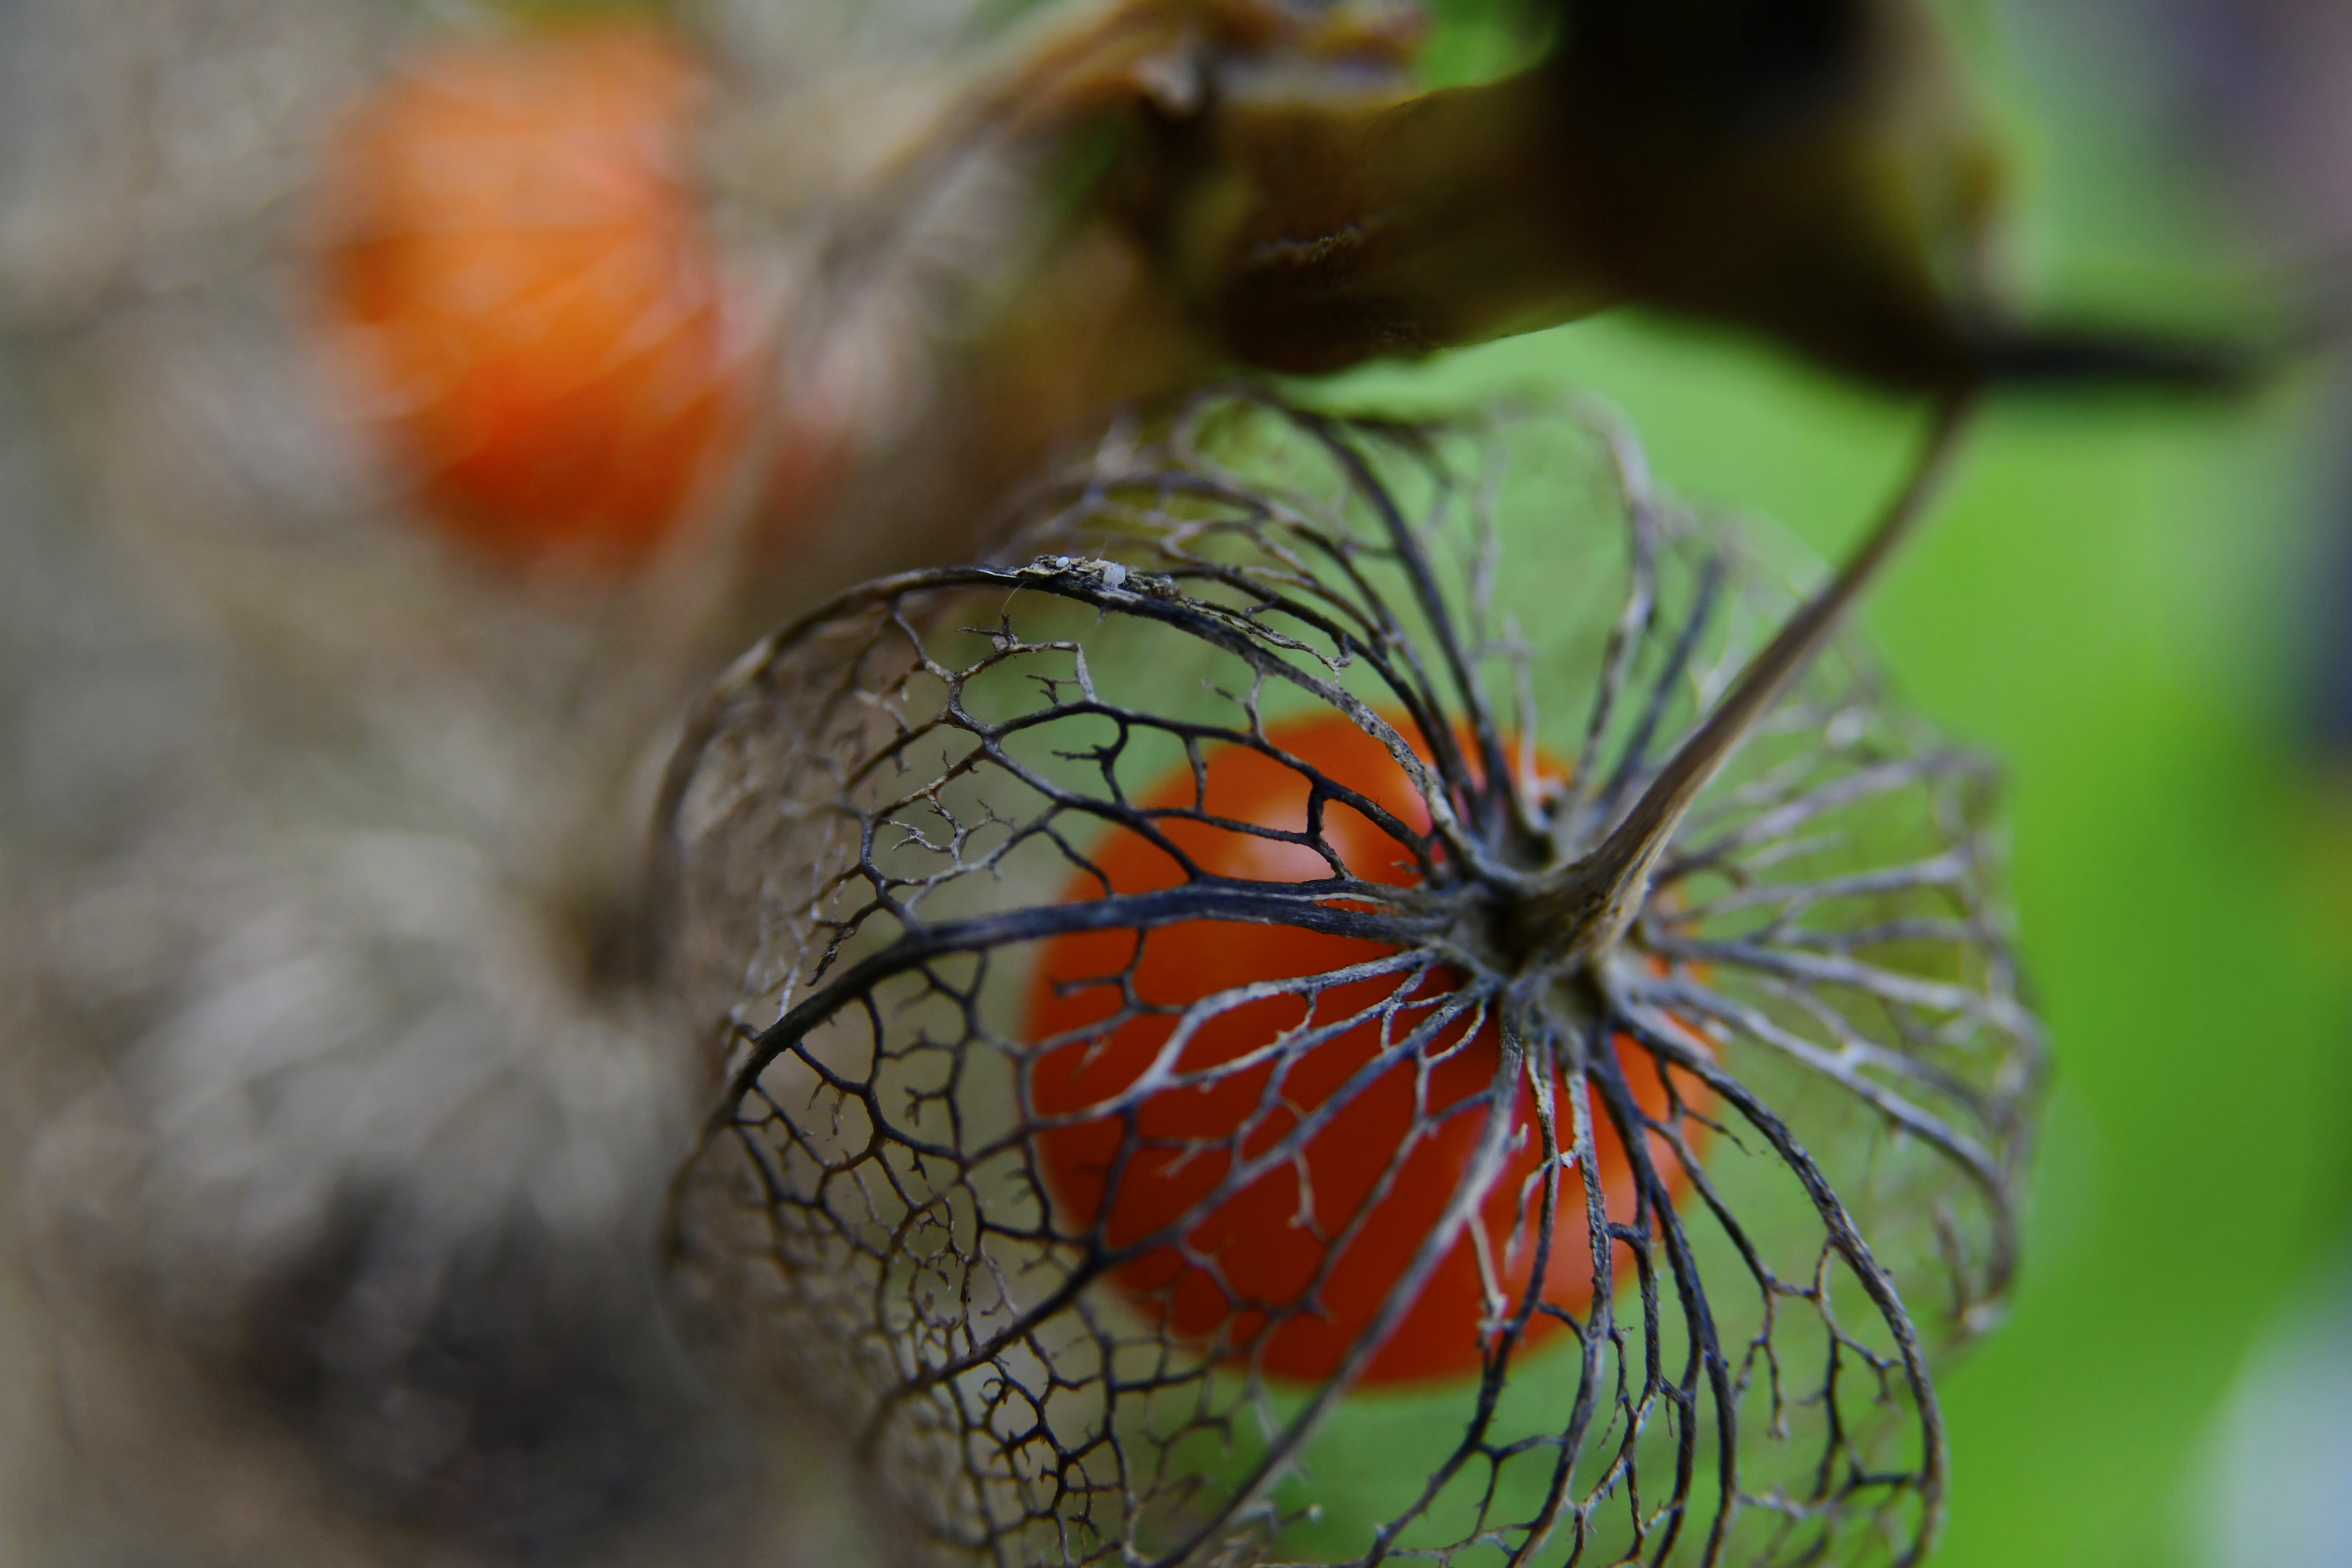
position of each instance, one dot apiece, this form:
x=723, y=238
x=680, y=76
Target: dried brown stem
x=1587, y=907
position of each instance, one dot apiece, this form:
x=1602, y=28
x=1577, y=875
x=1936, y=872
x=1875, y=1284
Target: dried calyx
x=1271, y=945
x=1579, y=913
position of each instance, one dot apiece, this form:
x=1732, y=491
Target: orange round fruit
x=518, y=271
x=1263, y=1246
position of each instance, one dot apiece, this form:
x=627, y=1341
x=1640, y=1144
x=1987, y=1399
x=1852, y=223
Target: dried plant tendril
x=1755, y=966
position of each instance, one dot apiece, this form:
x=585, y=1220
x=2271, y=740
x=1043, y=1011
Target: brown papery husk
x=871, y=833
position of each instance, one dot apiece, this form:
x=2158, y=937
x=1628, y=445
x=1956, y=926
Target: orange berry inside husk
x=1265, y=1245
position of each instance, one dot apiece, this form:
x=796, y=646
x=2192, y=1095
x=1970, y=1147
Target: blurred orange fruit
x=517, y=269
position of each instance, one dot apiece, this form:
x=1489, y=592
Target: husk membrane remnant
x=886, y=813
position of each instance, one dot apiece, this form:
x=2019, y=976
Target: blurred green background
x=2124, y=599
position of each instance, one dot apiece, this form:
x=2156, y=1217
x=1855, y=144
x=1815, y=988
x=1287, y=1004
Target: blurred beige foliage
x=338, y=1104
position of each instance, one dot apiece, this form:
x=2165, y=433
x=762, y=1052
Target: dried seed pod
x=1762, y=989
